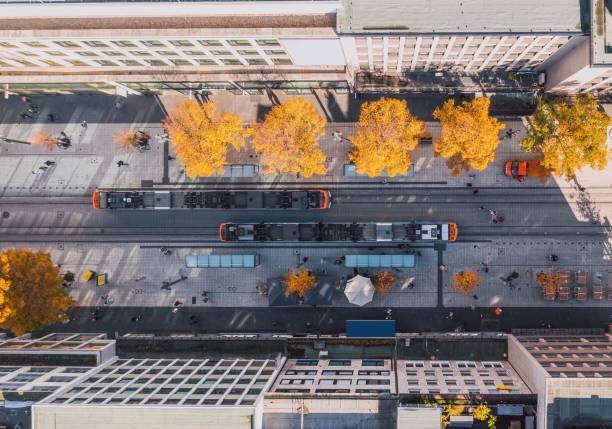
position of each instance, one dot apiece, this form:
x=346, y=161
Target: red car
x=523, y=169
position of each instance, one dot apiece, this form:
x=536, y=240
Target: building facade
x=250, y=46
x=543, y=379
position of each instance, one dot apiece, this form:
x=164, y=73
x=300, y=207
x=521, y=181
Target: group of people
x=495, y=218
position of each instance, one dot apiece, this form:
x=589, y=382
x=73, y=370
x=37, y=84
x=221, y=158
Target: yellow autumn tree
x=44, y=140
x=550, y=282
x=299, y=284
x=31, y=292
x=129, y=139
x=569, y=136
x=201, y=138
x=386, y=133
x=288, y=139
x=481, y=412
x=466, y=281
x=383, y=282
x=469, y=136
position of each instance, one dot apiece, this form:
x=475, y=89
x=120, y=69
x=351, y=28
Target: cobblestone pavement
x=136, y=271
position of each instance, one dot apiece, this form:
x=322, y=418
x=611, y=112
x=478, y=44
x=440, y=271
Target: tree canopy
x=31, y=293
x=288, y=139
x=569, y=136
x=469, y=136
x=481, y=412
x=201, y=138
x=550, y=282
x=129, y=139
x=383, y=282
x=386, y=133
x=299, y=284
x=44, y=140
x=466, y=281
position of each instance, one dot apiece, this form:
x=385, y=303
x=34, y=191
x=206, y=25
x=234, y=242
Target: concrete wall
x=329, y=413
x=573, y=69
x=532, y=373
x=133, y=417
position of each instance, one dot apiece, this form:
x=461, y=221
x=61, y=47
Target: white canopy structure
x=359, y=290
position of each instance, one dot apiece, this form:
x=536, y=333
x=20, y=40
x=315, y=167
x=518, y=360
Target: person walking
x=122, y=164
x=49, y=163
x=84, y=124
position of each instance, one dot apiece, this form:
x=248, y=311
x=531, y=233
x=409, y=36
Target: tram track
x=209, y=235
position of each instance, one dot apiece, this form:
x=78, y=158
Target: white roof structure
x=359, y=290
x=461, y=16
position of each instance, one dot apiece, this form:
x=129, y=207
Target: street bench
x=380, y=261
x=221, y=261
x=349, y=170
x=240, y=170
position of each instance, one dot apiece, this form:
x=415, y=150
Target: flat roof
x=462, y=16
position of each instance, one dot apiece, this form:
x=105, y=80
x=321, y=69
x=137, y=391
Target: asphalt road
x=528, y=212
x=294, y=320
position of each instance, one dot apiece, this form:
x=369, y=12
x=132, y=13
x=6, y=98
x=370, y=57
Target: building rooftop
x=178, y=382
x=465, y=16
x=601, y=35
x=571, y=356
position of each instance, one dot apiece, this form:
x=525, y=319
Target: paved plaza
x=51, y=211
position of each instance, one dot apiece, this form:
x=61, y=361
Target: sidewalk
x=136, y=273
x=92, y=159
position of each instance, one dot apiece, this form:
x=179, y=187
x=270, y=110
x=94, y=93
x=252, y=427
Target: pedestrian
x=177, y=303
x=43, y=168
x=501, y=219
x=475, y=296
x=469, y=185
x=25, y=99
x=475, y=191
x=205, y=299
x=84, y=124
x=305, y=259
x=50, y=117
x=175, y=310
x=450, y=315
x=171, y=158
x=442, y=267
x=481, y=207
x=120, y=163
x=492, y=212
x=25, y=115
x=49, y=163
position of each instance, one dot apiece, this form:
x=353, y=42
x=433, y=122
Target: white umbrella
x=359, y=290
